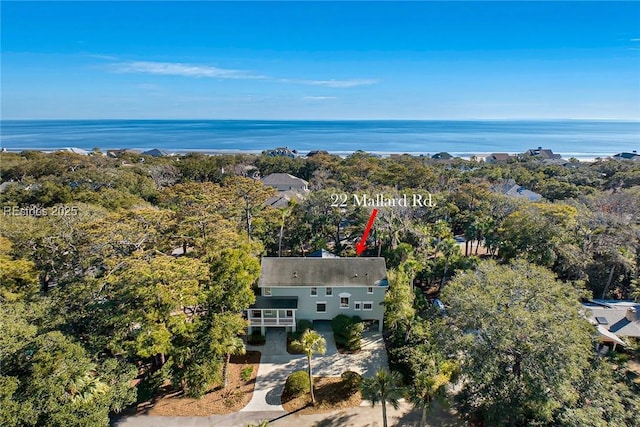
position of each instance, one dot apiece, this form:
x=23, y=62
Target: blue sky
x=325, y=60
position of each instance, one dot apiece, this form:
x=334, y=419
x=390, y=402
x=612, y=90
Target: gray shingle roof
x=613, y=316
x=284, y=179
x=323, y=272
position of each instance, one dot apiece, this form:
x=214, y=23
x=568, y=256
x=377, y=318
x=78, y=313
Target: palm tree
x=235, y=346
x=449, y=248
x=383, y=387
x=311, y=343
x=430, y=384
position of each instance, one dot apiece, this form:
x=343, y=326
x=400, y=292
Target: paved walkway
x=275, y=366
x=361, y=416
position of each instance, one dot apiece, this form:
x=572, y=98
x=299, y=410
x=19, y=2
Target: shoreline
x=582, y=157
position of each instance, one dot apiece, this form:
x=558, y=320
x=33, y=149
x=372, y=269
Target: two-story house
x=318, y=289
x=289, y=188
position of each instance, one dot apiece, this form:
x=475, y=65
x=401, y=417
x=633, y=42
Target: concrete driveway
x=276, y=364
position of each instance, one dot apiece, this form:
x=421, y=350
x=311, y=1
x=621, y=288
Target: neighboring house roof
x=511, y=189
x=156, y=152
x=284, y=181
x=180, y=250
x=627, y=156
x=75, y=150
x=322, y=253
x=247, y=170
x=316, y=152
x=283, y=198
x=442, y=156
x=6, y=185
x=607, y=336
x=621, y=318
x=120, y=152
x=346, y=272
x=518, y=191
x=498, y=157
x=281, y=151
x=289, y=303
x=542, y=153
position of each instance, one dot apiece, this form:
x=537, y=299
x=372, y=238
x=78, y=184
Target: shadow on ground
x=436, y=417
x=338, y=420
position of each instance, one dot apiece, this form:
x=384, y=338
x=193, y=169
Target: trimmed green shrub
x=246, y=372
x=297, y=384
x=351, y=381
x=347, y=331
x=354, y=336
x=303, y=325
x=256, y=338
x=339, y=324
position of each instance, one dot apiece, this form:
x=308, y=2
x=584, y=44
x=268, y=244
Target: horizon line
x=329, y=119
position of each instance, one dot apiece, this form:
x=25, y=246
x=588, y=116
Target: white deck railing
x=271, y=321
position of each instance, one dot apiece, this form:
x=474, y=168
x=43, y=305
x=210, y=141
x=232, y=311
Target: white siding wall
x=307, y=304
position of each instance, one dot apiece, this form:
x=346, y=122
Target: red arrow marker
x=363, y=242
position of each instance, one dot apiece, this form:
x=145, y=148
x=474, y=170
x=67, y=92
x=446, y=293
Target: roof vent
x=631, y=314
x=295, y=274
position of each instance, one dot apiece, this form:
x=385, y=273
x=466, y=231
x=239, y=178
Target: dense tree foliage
x=136, y=271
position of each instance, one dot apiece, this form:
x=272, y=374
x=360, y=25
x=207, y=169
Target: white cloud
x=340, y=83
x=343, y=83
x=180, y=69
x=207, y=71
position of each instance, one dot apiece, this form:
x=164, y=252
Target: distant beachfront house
x=627, y=156
x=289, y=188
x=156, y=152
x=318, y=289
x=498, y=157
x=511, y=189
x=281, y=152
x=541, y=153
x=75, y=150
x=117, y=153
x=442, y=156
x=614, y=319
x=316, y=153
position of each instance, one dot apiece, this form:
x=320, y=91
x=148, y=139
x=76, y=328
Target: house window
x=370, y=290
x=357, y=305
x=268, y=313
x=344, y=302
x=314, y=291
x=289, y=313
x=329, y=292
x=321, y=307
x=256, y=313
x=266, y=292
x=367, y=305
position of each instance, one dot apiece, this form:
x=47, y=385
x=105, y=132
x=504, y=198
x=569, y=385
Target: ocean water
x=583, y=139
